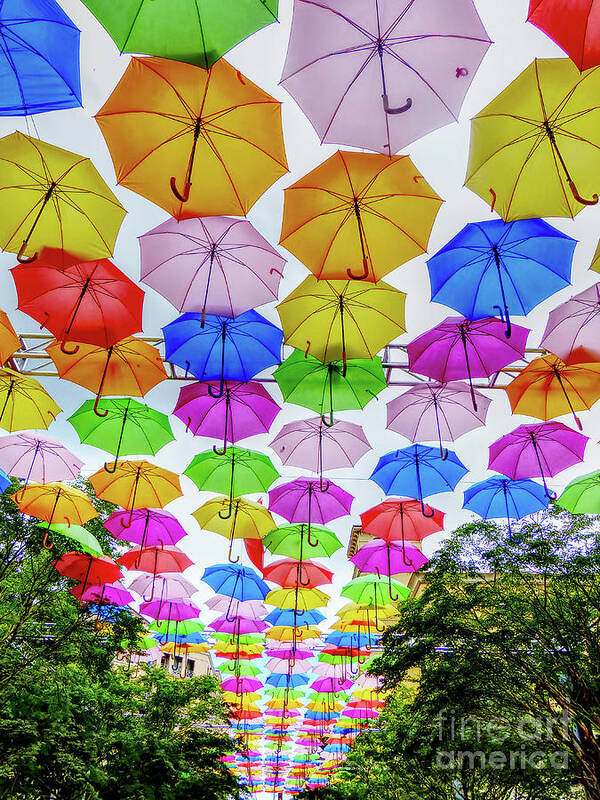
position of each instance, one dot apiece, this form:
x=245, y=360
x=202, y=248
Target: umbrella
x=36, y=458
x=87, y=569
x=104, y=593
x=238, y=625
x=582, y=495
x=575, y=32
x=55, y=502
x=401, y=520
x=549, y=387
x=341, y=319
x=499, y=497
x=54, y=198
x=9, y=341
x=575, y=325
x=222, y=265
x=389, y=558
x=249, y=520
x=497, y=269
x=327, y=387
x=171, y=610
x=538, y=450
x=381, y=75
x=374, y=591
x=130, y=367
x=146, y=526
x=251, y=609
x=24, y=403
x=127, y=428
x=293, y=540
x=239, y=583
x=155, y=560
x=303, y=500
x=221, y=348
x=460, y=348
x=418, y=471
x=40, y=58
x=289, y=573
x=358, y=210
x=85, y=540
x=210, y=142
x=538, y=132
x=437, y=411
x=168, y=586
x=198, y=34
x=241, y=410
x=236, y=472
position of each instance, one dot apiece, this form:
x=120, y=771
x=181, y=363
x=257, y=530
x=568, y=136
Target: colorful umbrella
x=55, y=502
x=239, y=583
x=249, y=520
x=402, y=520
x=39, y=459
x=574, y=31
x=167, y=586
x=146, y=526
x=155, y=560
x=582, y=495
x=216, y=265
x=303, y=500
x=374, y=591
x=104, y=593
x=294, y=540
x=388, y=558
x=171, y=610
x=85, y=541
x=9, y=341
x=87, y=569
x=382, y=75
x=24, y=403
x=216, y=127
x=499, y=497
x=574, y=326
x=289, y=573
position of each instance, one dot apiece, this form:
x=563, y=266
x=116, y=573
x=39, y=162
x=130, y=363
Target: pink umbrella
x=299, y=655
x=331, y=685
x=237, y=625
x=285, y=665
x=540, y=450
x=251, y=609
x=36, y=458
x=437, y=412
x=241, y=410
x=149, y=527
x=239, y=685
x=168, y=586
x=461, y=348
x=389, y=558
x=103, y=593
x=309, y=444
x=575, y=324
x=214, y=265
x=303, y=500
x=172, y=610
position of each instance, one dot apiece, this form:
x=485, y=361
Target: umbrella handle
x=228, y=513
x=45, y=545
x=229, y=558
x=506, y=319
x=425, y=514
x=398, y=109
x=99, y=413
x=22, y=258
x=300, y=581
x=113, y=469
x=324, y=487
x=310, y=542
x=579, y=198
x=221, y=391
x=185, y=195
x=331, y=422
x=64, y=350
x=363, y=275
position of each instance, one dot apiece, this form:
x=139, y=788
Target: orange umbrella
x=195, y=142
x=549, y=387
x=130, y=367
x=55, y=502
x=9, y=341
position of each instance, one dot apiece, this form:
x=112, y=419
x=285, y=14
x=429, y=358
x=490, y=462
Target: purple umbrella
x=389, y=558
x=381, y=74
x=309, y=444
x=36, y=458
x=303, y=500
x=250, y=609
x=237, y=625
x=575, y=325
x=241, y=410
x=171, y=610
x=299, y=655
x=241, y=685
x=436, y=411
x=540, y=450
x=461, y=348
x=214, y=265
x=106, y=593
x=331, y=685
x=150, y=527
x=167, y=586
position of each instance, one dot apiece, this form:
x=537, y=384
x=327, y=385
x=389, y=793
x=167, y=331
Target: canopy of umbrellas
x=189, y=132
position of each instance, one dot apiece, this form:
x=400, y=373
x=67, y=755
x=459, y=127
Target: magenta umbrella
x=459, y=348
x=331, y=685
x=287, y=653
x=36, y=458
x=214, y=265
x=171, y=610
x=389, y=558
x=575, y=324
x=303, y=500
x=539, y=450
x=437, y=412
x=239, y=685
x=381, y=74
x=149, y=527
x=309, y=444
x=167, y=586
x=103, y=593
x=241, y=410
x=237, y=625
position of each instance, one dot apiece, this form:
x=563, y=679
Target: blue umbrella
x=5, y=481
x=289, y=617
x=494, y=268
x=500, y=497
x=222, y=348
x=418, y=471
x=39, y=58
x=239, y=583
x=354, y=640
x=285, y=680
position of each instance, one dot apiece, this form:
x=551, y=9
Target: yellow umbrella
x=55, y=502
x=359, y=215
x=535, y=149
x=137, y=484
x=24, y=403
x=185, y=647
x=334, y=320
x=299, y=598
x=232, y=697
x=362, y=613
x=247, y=520
x=285, y=633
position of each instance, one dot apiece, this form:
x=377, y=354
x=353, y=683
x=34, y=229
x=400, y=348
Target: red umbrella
x=93, y=302
x=87, y=569
x=401, y=519
x=572, y=25
x=155, y=559
x=289, y=573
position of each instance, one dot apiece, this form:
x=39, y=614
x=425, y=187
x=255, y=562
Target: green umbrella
x=196, y=31
x=235, y=472
x=172, y=628
x=582, y=496
x=293, y=694
x=371, y=590
x=128, y=428
x=85, y=540
x=244, y=638
x=240, y=669
x=293, y=541
x=325, y=388
x=344, y=696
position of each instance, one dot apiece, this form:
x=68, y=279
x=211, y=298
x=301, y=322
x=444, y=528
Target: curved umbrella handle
x=324, y=487
x=443, y=453
x=363, y=275
x=218, y=452
x=310, y=542
x=579, y=198
x=425, y=514
x=99, y=413
x=399, y=109
x=229, y=511
x=506, y=319
x=64, y=350
x=331, y=422
x=185, y=195
x=113, y=469
x=45, y=544
x=221, y=391
x=22, y=258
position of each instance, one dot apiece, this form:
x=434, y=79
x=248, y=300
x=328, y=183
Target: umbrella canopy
x=104, y=594
x=240, y=583
x=155, y=560
x=380, y=75
x=576, y=32
x=237, y=625
x=374, y=591
x=289, y=573
x=296, y=541
x=172, y=610
x=303, y=500
x=251, y=609
x=211, y=142
x=36, y=458
x=167, y=586
x=136, y=484
x=87, y=569
x=55, y=502
x=541, y=131
x=582, y=495
x=388, y=558
x=54, y=198
x=575, y=326
x=499, y=497
x=247, y=520
x=358, y=215
x=402, y=520
x=9, y=341
x=146, y=526
x=24, y=403
x=84, y=540
x=198, y=34
x=222, y=265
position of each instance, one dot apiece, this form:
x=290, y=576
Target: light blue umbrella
x=500, y=497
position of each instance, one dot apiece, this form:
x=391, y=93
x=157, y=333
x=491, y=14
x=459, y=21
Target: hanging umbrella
x=537, y=451
x=146, y=526
x=104, y=594
x=36, y=458
x=40, y=58
x=210, y=143
x=460, y=348
x=380, y=75
x=418, y=471
x=235, y=472
x=54, y=198
x=171, y=610
x=288, y=573
x=215, y=265
x=294, y=541
x=238, y=625
x=251, y=609
x=303, y=500
x=575, y=31
x=87, y=569
x=359, y=216
x=9, y=341
x=198, y=34
x=374, y=591
x=582, y=495
x=497, y=269
x=327, y=387
x=549, y=387
x=167, y=586
x=128, y=428
x=538, y=132
x=240, y=583
x=437, y=411
x=402, y=520
x=341, y=319
x=131, y=367
x=574, y=326
x=84, y=540
x=388, y=558
x=498, y=497
x=155, y=560
x=241, y=410
x=221, y=348
x=249, y=520
x=55, y=502
x=24, y=403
